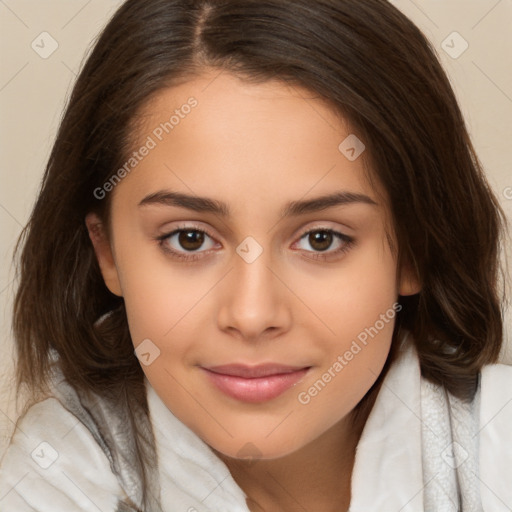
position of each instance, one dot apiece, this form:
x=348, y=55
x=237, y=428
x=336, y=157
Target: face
x=223, y=257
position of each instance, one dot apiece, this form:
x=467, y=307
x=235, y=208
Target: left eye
x=322, y=239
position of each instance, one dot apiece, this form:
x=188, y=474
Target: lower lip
x=255, y=390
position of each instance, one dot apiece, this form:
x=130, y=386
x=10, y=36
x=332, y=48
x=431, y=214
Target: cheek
x=352, y=361
x=352, y=297
x=358, y=307
x=342, y=383
x=159, y=297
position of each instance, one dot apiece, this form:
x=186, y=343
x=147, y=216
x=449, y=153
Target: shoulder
x=496, y=436
x=496, y=394
x=497, y=372
x=53, y=462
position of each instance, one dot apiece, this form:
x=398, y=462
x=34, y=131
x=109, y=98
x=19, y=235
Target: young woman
x=262, y=274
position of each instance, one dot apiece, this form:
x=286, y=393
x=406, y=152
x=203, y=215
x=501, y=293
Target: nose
x=254, y=302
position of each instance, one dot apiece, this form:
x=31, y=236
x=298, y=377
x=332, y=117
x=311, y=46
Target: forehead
x=218, y=136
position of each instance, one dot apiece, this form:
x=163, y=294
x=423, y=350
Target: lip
x=255, y=383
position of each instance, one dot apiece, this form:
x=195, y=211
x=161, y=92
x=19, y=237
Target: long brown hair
x=375, y=68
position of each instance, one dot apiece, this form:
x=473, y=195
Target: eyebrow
x=293, y=208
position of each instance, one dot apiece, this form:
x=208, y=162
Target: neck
x=315, y=477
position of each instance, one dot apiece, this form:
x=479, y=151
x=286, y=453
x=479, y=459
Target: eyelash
x=190, y=257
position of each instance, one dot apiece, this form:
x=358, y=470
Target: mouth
x=255, y=384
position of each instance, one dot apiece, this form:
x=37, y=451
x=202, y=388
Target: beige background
x=33, y=91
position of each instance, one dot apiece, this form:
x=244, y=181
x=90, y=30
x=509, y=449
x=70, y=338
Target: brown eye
x=186, y=243
x=325, y=243
x=320, y=240
x=191, y=240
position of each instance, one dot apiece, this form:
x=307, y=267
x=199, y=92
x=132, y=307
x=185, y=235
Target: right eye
x=184, y=243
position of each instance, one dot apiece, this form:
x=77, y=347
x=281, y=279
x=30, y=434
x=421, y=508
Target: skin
x=256, y=147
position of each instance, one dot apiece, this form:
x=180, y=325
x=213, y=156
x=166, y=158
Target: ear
x=103, y=251
x=409, y=282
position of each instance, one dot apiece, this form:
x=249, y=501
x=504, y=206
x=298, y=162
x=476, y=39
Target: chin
x=257, y=449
